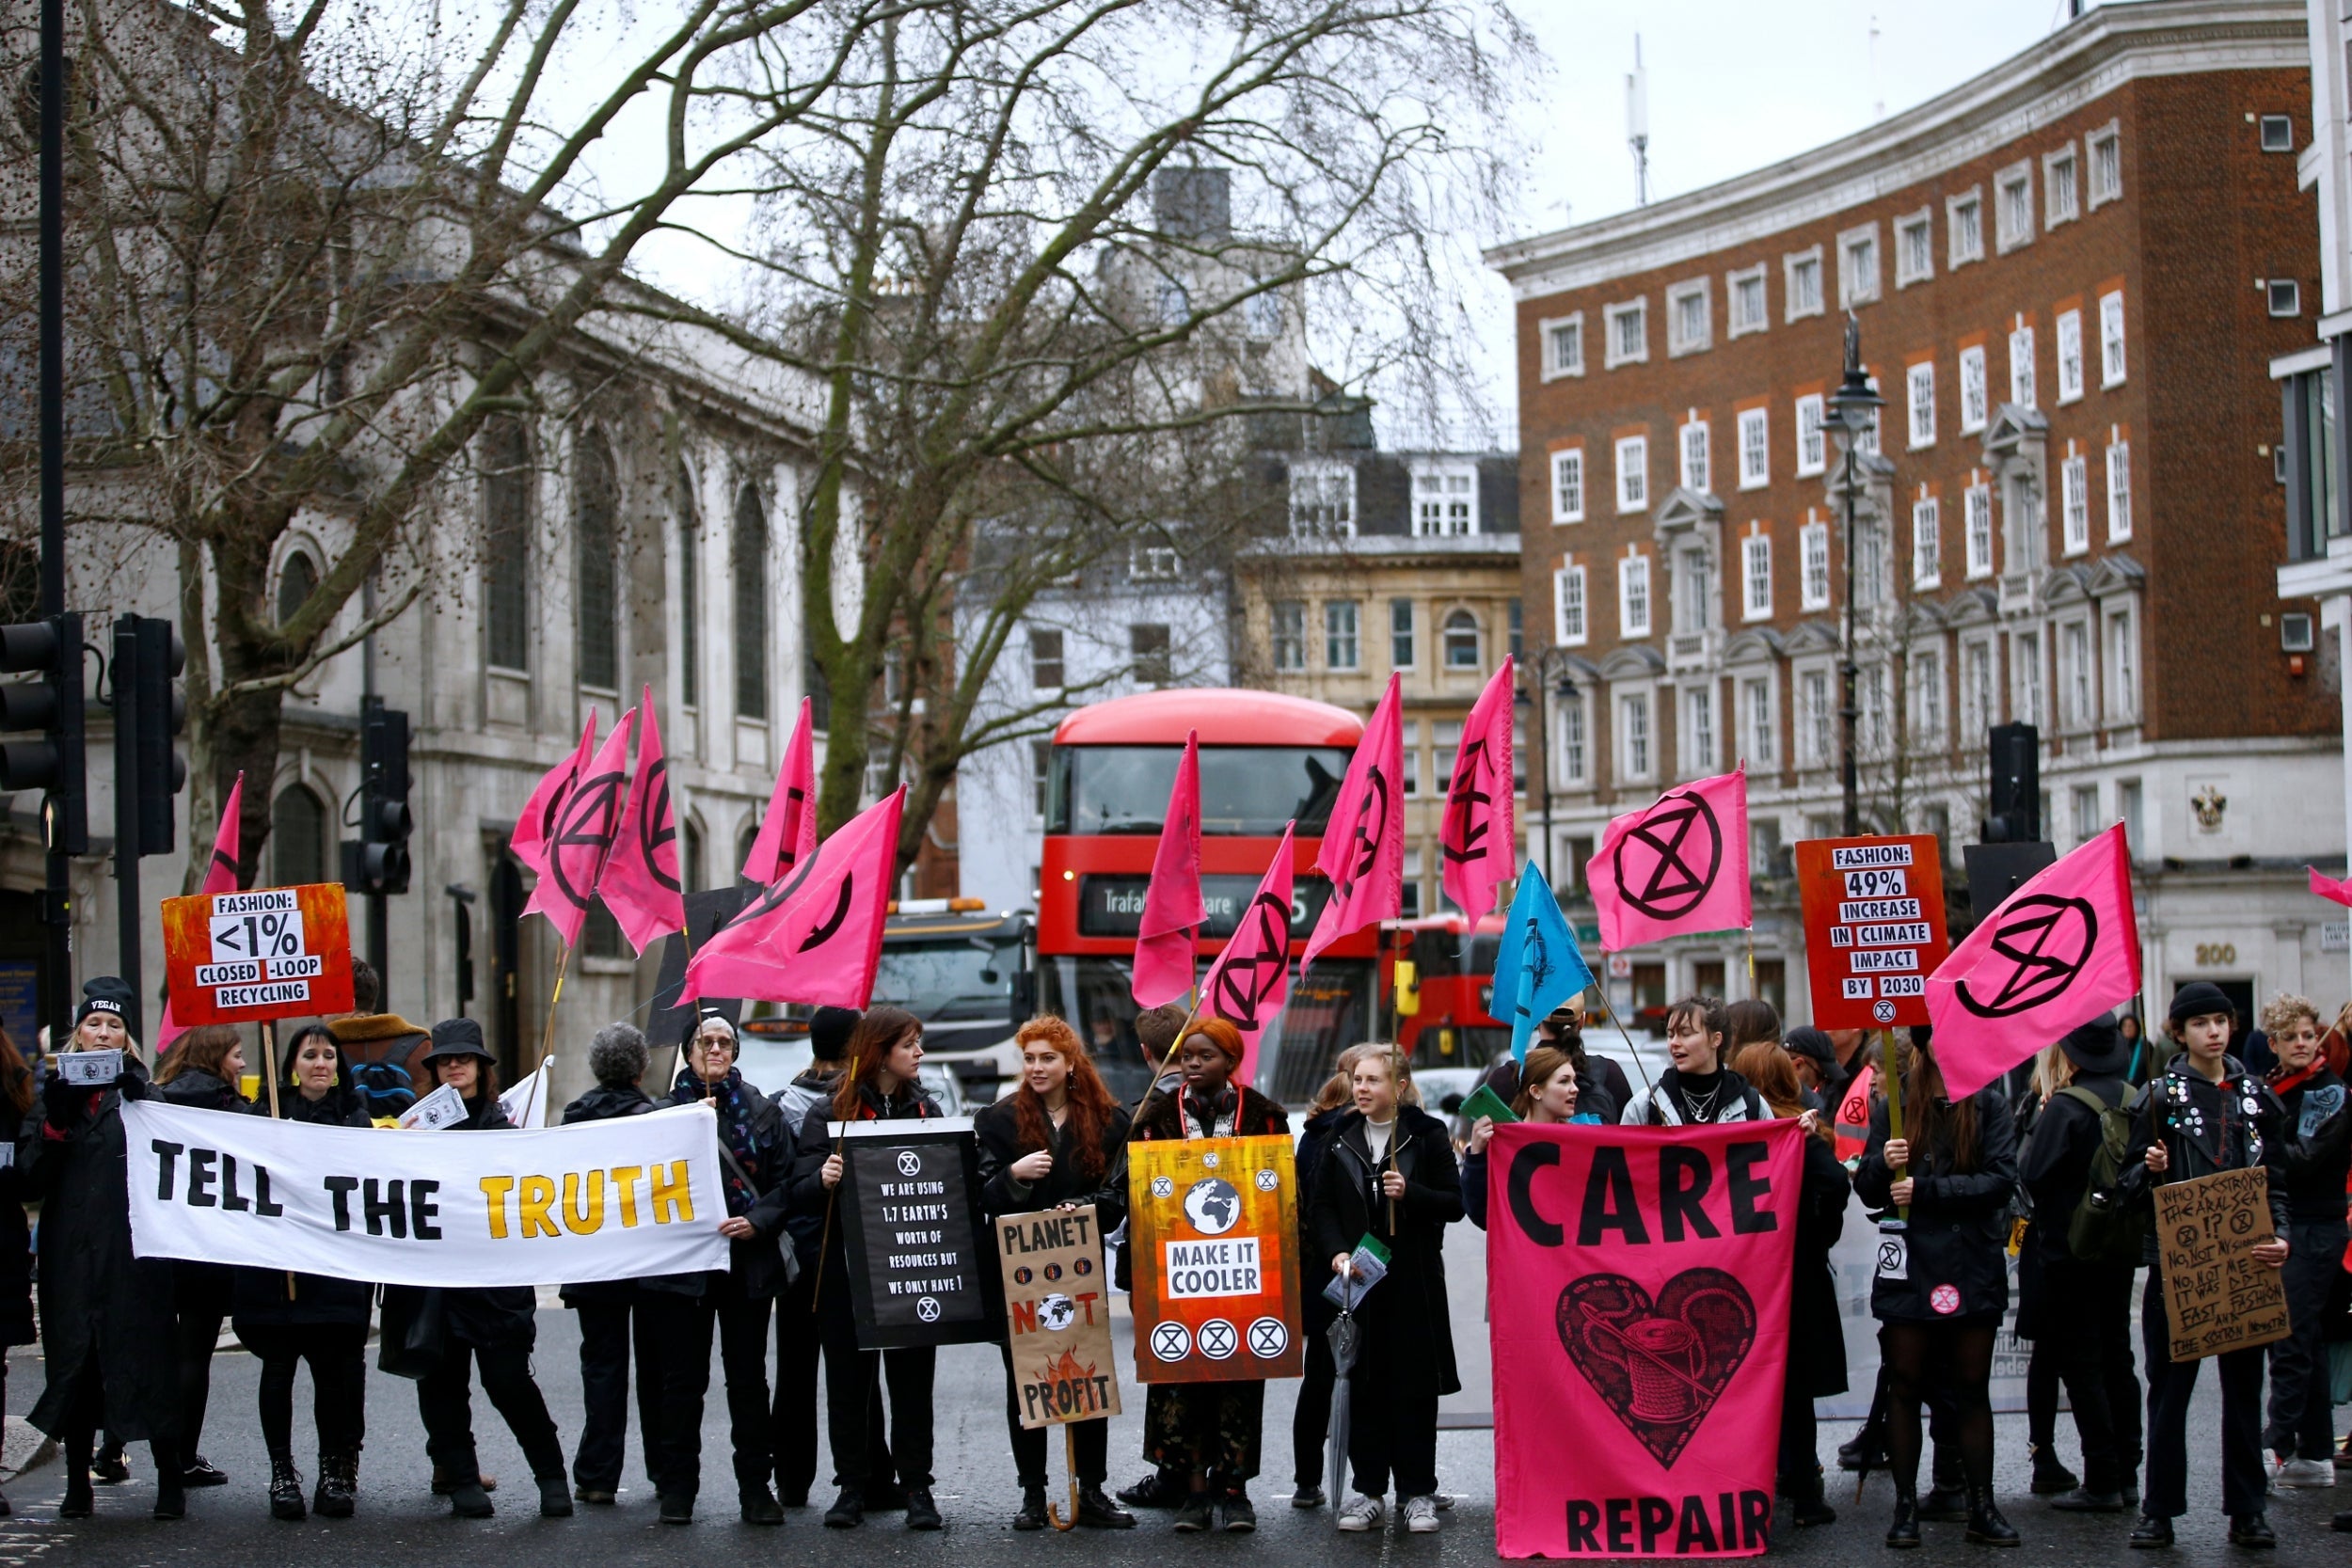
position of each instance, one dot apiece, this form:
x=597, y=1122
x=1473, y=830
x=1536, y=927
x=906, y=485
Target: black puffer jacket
x=266, y=1299
x=1408, y=1328
x=2054, y=1164
x=610, y=1103
x=1957, y=1235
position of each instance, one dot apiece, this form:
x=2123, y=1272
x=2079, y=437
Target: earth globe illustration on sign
x=1057, y=1312
x=1213, y=1206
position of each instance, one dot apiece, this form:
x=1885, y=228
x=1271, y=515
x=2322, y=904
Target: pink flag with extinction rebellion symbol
x=640, y=884
x=1678, y=868
x=1363, y=845
x=583, y=825
x=220, y=876
x=817, y=937
x=2059, y=952
x=1475, y=836
x=1250, y=979
x=787, y=835
x=536, y=826
x=1172, y=909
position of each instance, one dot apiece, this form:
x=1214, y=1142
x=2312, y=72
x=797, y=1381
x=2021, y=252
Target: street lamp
x=1561, y=686
x=1851, y=408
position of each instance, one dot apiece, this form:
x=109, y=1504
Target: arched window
x=749, y=562
x=689, y=585
x=690, y=858
x=594, y=517
x=506, y=543
x=298, y=837
x=297, y=582
x=1461, y=640
x=743, y=846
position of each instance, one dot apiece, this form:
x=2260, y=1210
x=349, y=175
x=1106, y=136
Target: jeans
x=339, y=1387
x=2170, y=1387
x=2302, y=1424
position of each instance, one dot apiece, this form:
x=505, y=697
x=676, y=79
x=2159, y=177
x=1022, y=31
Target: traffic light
x=52, y=703
x=378, y=863
x=148, y=659
x=2016, y=794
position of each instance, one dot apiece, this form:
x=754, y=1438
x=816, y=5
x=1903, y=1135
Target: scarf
x=1216, y=1118
x=735, y=1132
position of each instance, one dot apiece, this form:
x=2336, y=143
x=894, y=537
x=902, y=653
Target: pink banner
x=1172, y=909
x=1476, y=837
x=1637, y=1285
x=787, y=835
x=1250, y=979
x=584, y=824
x=817, y=938
x=640, y=884
x=1363, y=845
x=220, y=876
x=536, y=827
x=1677, y=868
x=2059, y=952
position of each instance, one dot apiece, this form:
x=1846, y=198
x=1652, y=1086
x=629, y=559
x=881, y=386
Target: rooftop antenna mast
x=1637, y=123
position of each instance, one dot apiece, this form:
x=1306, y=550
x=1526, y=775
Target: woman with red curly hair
x=1059, y=1141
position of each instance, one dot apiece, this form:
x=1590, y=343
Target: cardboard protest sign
x=1639, y=1285
x=241, y=957
x=2217, y=1297
x=1873, y=928
x=1213, y=1228
x=910, y=1206
x=1057, y=1317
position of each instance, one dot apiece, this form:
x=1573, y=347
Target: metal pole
x=57, y=896
x=125, y=686
x=1846, y=712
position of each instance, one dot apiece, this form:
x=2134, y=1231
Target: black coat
x=998, y=1132
x=202, y=1290
x=264, y=1299
x=1958, y=1235
x=2315, y=1114
x=1408, y=1331
x=426, y=1324
x=1816, y=1339
x=2053, y=1160
x=2206, y=1128
x=755, y=1264
x=607, y=1102
x=94, y=1293
x=806, y=1193
x=16, y=1236
x=1315, y=1143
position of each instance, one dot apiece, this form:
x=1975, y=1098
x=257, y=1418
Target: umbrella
x=1344, y=1336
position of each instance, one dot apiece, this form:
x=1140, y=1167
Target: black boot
x=1905, y=1530
x=171, y=1497
x=108, y=1467
x=77, y=1502
x=1945, y=1505
x=2050, y=1477
x=2150, y=1531
x=922, y=1513
x=2252, y=1529
x=1808, y=1504
x=1097, y=1511
x=848, y=1511
x=1032, y=1515
x=285, y=1489
x=1986, y=1527
x=339, y=1486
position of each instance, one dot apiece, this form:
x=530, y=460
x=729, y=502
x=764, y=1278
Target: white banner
x=598, y=1200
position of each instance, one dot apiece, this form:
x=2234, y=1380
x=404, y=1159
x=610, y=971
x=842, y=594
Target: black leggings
x=199, y=1333
x=338, y=1386
x=1951, y=1359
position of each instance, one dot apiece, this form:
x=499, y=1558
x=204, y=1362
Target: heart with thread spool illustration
x=1660, y=1363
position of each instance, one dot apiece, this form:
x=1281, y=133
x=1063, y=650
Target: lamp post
x=1564, y=687
x=1851, y=408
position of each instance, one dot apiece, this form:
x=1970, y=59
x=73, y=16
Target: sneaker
x=2306, y=1472
x=1240, y=1513
x=596, y=1495
x=922, y=1513
x=848, y=1511
x=1444, y=1500
x=760, y=1506
x=1420, y=1515
x=1361, y=1514
x=2050, y=1477
x=555, y=1502
x=201, y=1471
x=2151, y=1532
x=677, y=1508
x=1307, y=1496
x=108, y=1468
x=468, y=1502
x=1195, y=1515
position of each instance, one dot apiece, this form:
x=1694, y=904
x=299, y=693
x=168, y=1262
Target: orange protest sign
x=1214, y=1226
x=1873, y=928
x=242, y=958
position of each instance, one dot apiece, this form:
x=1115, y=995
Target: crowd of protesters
x=2056, y=1166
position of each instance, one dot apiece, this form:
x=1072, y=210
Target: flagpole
x=547, y=1036
x=270, y=1070
x=833, y=1196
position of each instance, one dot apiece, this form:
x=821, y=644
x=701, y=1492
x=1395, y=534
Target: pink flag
x=220, y=876
x=2059, y=952
x=2331, y=890
x=1476, y=835
x=1250, y=979
x=581, y=836
x=1681, y=866
x=817, y=938
x=536, y=828
x=640, y=884
x=787, y=835
x=1363, y=845
x=1172, y=909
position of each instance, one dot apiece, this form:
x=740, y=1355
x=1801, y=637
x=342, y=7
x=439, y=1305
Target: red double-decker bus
x=1454, y=979
x=1266, y=759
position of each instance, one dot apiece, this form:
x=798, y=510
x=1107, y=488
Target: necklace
x=1704, y=1110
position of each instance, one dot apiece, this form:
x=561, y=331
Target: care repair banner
x=599, y=1200
x=244, y=957
x=1213, y=1228
x=1637, y=1285
x=1058, y=1318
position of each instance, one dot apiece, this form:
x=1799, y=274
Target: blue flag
x=1538, y=964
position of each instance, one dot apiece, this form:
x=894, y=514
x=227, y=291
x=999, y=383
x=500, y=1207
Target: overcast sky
x=1733, y=85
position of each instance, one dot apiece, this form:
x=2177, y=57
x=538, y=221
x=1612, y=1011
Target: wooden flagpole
x=833, y=1200
x=546, y=1036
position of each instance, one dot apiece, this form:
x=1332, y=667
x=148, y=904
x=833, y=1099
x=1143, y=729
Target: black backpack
x=385, y=1087
x=2103, y=1227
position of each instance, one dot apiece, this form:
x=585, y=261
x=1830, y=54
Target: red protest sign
x=241, y=957
x=1873, y=928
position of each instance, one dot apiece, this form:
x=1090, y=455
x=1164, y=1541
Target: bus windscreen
x=1246, y=791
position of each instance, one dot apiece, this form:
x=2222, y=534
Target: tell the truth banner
x=601, y=1200
x=1638, y=1286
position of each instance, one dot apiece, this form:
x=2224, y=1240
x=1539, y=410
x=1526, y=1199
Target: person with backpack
x=1698, y=1088
x=2204, y=1114
x=2076, y=1275
x=2301, y=1431
x=384, y=1051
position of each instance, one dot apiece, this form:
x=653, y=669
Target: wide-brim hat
x=457, y=1037
x=2097, y=1047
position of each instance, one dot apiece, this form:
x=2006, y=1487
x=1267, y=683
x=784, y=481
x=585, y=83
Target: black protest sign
x=910, y=1206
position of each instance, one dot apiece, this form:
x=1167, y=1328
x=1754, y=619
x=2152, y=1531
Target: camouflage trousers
x=1211, y=1428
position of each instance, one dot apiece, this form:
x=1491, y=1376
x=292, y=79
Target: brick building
x=2069, y=276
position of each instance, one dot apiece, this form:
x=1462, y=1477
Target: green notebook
x=1483, y=1102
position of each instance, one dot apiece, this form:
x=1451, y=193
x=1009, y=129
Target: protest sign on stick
x=1058, y=1318
x=247, y=957
x=2216, y=1296
x=909, y=1211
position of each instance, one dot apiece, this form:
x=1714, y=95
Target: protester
x=1550, y=1093
x=755, y=1155
x=108, y=1332
x=385, y=1051
x=202, y=1071
x=285, y=1319
x=1750, y=1021
x=450, y=1331
x=1816, y=1062
x=1058, y=1141
x=1310, y=1418
x=17, y=1093
x=654, y=1316
x=885, y=1051
x=1698, y=1088
x=2301, y=1431
x=2078, y=1309
x=1601, y=1081
x=1951, y=1176
x=1817, y=1344
x=1156, y=1029
x=793, y=1417
x=1208, y=1432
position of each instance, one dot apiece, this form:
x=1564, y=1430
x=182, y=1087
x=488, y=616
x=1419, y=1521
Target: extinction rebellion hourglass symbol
x=1667, y=864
